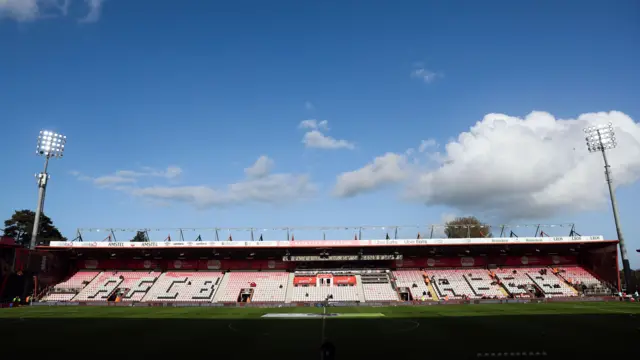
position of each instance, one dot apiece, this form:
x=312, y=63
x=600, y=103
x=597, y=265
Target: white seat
x=379, y=292
x=550, y=284
x=407, y=278
x=270, y=286
x=577, y=275
x=514, y=281
x=184, y=286
x=134, y=285
x=67, y=290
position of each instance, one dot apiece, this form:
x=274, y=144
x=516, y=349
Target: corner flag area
x=547, y=330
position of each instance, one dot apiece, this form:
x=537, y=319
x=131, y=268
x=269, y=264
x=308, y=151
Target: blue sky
x=422, y=109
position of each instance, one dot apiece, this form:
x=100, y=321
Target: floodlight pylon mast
x=600, y=139
x=42, y=178
x=50, y=145
x=626, y=266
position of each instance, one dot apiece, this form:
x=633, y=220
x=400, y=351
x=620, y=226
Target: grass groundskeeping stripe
x=360, y=315
x=292, y=316
x=319, y=316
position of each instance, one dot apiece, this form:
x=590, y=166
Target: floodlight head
x=600, y=137
x=51, y=144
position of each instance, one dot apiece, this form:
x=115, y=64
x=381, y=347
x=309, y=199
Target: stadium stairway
x=434, y=296
x=289, y=295
x=223, y=284
x=569, y=284
x=360, y=289
x=501, y=287
x=574, y=290
x=504, y=291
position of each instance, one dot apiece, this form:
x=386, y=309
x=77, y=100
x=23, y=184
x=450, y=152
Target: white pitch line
x=324, y=319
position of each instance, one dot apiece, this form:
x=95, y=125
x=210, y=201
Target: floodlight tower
x=50, y=145
x=599, y=139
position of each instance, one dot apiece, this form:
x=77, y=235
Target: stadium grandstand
x=338, y=272
x=283, y=299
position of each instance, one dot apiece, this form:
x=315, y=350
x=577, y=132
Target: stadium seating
x=413, y=280
x=269, y=286
x=78, y=281
x=379, y=292
x=58, y=297
x=67, y=290
x=320, y=293
x=550, y=284
x=451, y=283
x=482, y=284
x=132, y=284
x=516, y=282
x=184, y=286
x=373, y=285
x=376, y=286
x=577, y=275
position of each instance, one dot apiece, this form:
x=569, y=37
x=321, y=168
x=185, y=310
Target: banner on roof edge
x=324, y=243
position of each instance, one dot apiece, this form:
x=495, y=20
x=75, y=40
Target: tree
x=464, y=227
x=20, y=227
x=141, y=236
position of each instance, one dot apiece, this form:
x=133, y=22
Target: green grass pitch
x=557, y=330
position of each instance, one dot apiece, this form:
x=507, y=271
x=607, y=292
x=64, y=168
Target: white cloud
x=31, y=10
x=309, y=105
x=171, y=172
x=275, y=188
x=316, y=139
x=109, y=180
x=20, y=10
x=314, y=124
x=95, y=9
x=386, y=169
x=259, y=186
x=121, y=177
x=261, y=168
x=426, y=75
x=531, y=167
x=524, y=168
x=425, y=144
x=63, y=5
